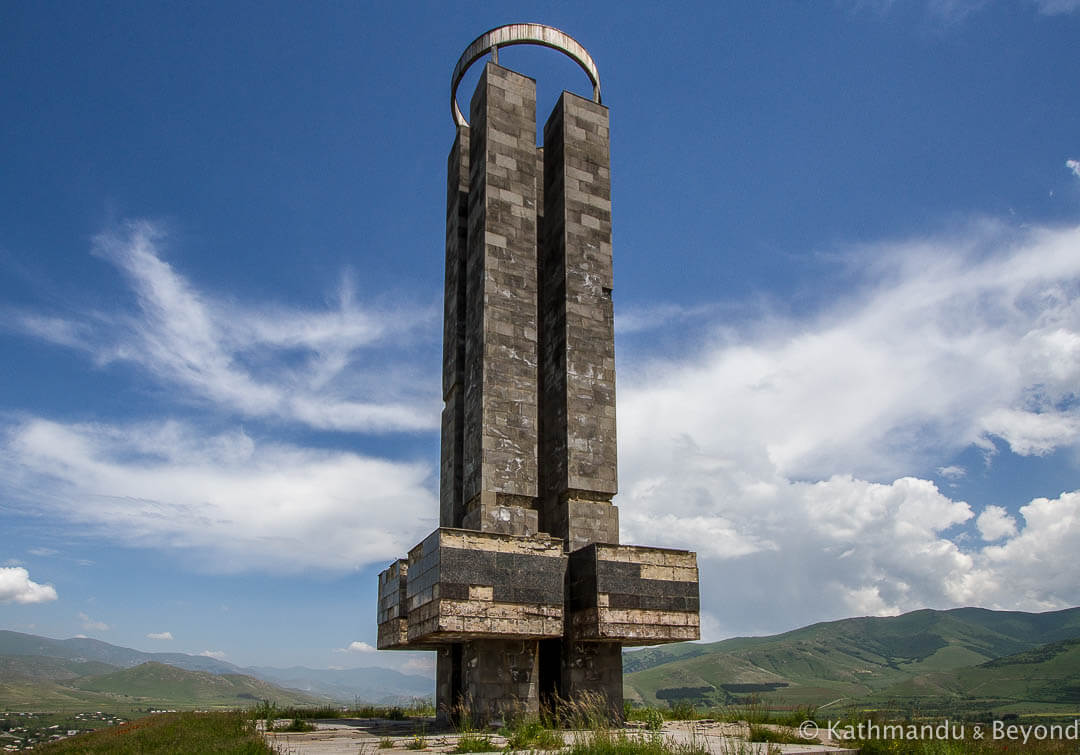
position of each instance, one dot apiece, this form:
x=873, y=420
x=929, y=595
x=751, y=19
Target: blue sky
x=847, y=259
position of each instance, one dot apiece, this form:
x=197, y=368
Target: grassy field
x=231, y=732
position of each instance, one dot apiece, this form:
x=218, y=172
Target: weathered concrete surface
x=352, y=736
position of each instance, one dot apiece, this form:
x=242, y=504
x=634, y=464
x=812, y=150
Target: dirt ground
x=356, y=736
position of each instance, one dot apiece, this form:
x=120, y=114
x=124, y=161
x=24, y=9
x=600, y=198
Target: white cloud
x=16, y=586
x=218, y=655
x=94, y=625
x=357, y=647
x=43, y=552
x=159, y=636
x=246, y=504
x=245, y=359
x=783, y=452
x=1074, y=165
x=995, y=523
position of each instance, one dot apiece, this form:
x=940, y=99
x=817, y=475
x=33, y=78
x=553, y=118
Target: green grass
x=532, y=734
x=473, y=742
x=418, y=709
x=605, y=742
x=231, y=733
x=760, y=733
x=297, y=724
x=386, y=743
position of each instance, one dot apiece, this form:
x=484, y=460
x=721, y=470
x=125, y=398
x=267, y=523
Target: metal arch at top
x=520, y=34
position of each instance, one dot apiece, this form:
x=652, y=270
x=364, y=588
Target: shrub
x=531, y=734
x=472, y=742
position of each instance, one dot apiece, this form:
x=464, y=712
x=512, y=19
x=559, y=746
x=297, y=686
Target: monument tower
x=524, y=591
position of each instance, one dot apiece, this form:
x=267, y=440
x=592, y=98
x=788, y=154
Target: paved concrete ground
x=363, y=736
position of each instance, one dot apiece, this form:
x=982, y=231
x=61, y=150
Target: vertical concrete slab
x=577, y=343
x=451, y=506
x=500, y=406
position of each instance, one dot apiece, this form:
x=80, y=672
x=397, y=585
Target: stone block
x=465, y=585
x=393, y=625
x=633, y=595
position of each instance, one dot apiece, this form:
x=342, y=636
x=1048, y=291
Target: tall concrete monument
x=524, y=591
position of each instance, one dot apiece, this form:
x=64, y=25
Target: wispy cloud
x=92, y=625
x=783, y=453
x=1057, y=7
x=159, y=636
x=327, y=369
x=17, y=587
x=249, y=504
x=952, y=472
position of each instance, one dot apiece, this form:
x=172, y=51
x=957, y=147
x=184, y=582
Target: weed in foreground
x=605, y=742
x=473, y=742
x=759, y=733
x=386, y=743
x=589, y=710
x=683, y=710
x=532, y=734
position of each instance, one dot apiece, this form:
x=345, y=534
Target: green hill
x=32, y=683
x=917, y=654
x=1047, y=674
x=160, y=683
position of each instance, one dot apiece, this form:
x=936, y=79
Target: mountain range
x=32, y=665
x=1005, y=660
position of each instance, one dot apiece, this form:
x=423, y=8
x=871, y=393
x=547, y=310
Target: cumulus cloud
x=357, y=647
x=217, y=655
x=250, y=504
x=1074, y=165
x=92, y=625
x=995, y=523
x=17, y=587
x=245, y=359
x=159, y=636
x=783, y=452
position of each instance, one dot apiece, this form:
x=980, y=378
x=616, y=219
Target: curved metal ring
x=520, y=34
